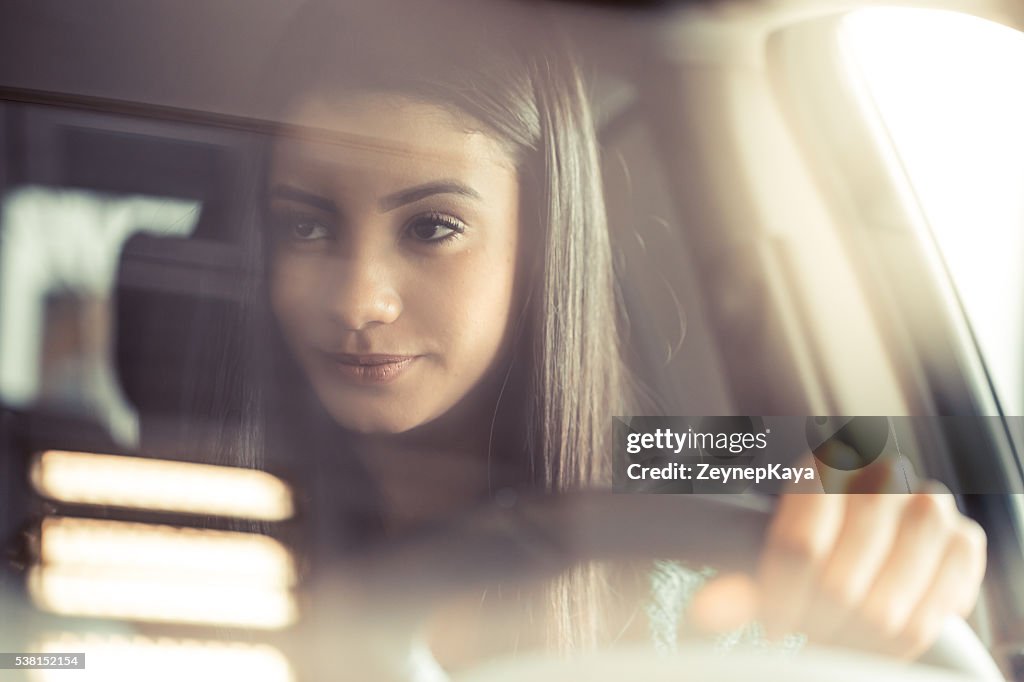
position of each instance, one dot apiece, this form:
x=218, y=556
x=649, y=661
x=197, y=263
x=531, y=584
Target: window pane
x=949, y=91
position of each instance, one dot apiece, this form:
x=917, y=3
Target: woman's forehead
x=382, y=131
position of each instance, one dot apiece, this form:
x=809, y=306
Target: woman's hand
x=879, y=572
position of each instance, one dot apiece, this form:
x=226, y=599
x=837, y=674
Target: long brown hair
x=513, y=72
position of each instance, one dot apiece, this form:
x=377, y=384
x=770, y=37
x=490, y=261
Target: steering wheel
x=538, y=537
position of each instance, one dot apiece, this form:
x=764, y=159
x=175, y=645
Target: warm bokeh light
x=947, y=89
x=162, y=485
x=165, y=552
x=104, y=593
x=112, y=658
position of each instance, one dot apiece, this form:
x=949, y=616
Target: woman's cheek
x=469, y=308
x=292, y=300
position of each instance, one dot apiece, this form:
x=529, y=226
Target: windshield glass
x=403, y=334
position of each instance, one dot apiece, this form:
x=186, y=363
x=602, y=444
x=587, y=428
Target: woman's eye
x=308, y=230
x=435, y=228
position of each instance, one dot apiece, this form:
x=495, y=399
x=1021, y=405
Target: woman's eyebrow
x=295, y=194
x=408, y=196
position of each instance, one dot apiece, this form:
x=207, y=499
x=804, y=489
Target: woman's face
x=393, y=270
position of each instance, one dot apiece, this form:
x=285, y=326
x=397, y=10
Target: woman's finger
x=925, y=529
x=865, y=541
x=972, y=578
x=870, y=524
x=952, y=591
x=800, y=541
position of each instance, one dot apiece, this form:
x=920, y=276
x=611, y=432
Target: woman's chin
x=373, y=423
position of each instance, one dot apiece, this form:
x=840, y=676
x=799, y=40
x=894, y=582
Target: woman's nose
x=362, y=293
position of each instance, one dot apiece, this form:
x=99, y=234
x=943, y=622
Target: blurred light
x=174, y=553
x=111, y=658
x=161, y=485
x=947, y=89
x=88, y=591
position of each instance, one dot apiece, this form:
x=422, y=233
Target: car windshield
x=471, y=340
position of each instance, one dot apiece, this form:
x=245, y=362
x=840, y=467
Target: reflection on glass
x=57, y=268
x=99, y=593
x=138, y=483
x=166, y=552
x=113, y=658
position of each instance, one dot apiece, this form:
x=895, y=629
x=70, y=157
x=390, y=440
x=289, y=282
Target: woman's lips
x=371, y=369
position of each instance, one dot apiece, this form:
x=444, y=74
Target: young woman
x=434, y=323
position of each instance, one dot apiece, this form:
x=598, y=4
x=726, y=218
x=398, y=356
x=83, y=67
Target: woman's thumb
x=724, y=603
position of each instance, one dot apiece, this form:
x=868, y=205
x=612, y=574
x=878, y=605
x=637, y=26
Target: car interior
x=816, y=208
